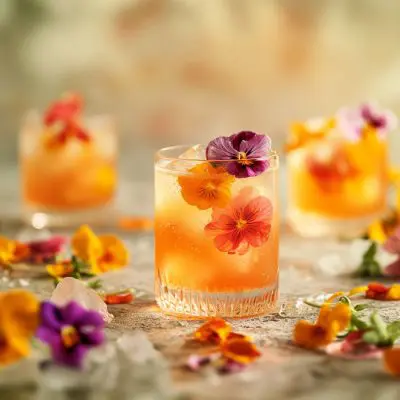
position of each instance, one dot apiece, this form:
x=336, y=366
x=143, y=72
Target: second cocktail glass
x=217, y=229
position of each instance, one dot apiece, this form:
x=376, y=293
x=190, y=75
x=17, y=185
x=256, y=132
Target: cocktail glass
x=216, y=236
x=69, y=180
x=336, y=185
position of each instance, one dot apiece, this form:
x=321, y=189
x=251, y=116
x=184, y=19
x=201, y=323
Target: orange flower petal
x=21, y=252
x=234, y=335
x=391, y=360
x=334, y=296
x=118, y=298
x=312, y=336
x=394, y=292
x=85, y=244
x=340, y=317
x=240, y=350
x=7, y=250
x=135, y=223
x=358, y=290
x=206, y=186
x=59, y=270
x=213, y=331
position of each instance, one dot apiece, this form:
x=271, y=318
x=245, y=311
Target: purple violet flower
x=70, y=331
x=246, y=152
x=353, y=122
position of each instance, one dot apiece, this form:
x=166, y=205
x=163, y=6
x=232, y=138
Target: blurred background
x=184, y=71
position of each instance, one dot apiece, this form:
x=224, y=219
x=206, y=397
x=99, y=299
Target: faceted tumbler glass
x=73, y=181
x=216, y=237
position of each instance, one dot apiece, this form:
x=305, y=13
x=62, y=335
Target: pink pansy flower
x=354, y=122
x=245, y=222
x=354, y=348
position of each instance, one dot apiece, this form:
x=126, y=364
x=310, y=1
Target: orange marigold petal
x=391, y=360
x=340, y=317
x=85, y=244
x=213, y=331
x=240, y=350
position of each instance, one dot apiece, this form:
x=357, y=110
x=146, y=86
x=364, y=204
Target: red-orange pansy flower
x=214, y=331
x=378, y=291
x=244, y=223
x=240, y=350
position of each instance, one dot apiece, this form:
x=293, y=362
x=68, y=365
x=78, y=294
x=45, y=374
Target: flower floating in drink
x=338, y=171
x=68, y=164
x=216, y=227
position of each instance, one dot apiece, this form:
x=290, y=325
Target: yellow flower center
x=69, y=336
x=241, y=223
x=210, y=186
x=242, y=158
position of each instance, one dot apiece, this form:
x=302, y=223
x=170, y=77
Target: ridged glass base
x=189, y=303
x=314, y=225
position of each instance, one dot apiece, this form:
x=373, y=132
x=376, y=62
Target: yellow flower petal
x=334, y=296
x=340, y=317
x=7, y=249
x=59, y=270
x=358, y=290
x=394, y=292
x=85, y=244
x=19, y=318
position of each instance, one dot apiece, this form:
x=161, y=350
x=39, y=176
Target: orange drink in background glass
x=68, y=163
x=338, y=172
x=216, y=235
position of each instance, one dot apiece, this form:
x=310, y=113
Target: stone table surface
x=284, y=371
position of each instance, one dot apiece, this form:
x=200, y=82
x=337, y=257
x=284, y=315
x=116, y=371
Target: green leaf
x=379, y=326
x=393, y=330
x=361, y=307
x=358, y=323
x=371, y=252
x=371, y=337
x=97, y=284
x=369, y=267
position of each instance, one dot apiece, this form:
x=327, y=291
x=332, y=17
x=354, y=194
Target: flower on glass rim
x=206, y=186
x=19, y=316
x=245, y=222
x=391, y=359
x=64, y=115
x=103, y=253
x=214, y=331
x=70, y=331
x=246, y=152
x=330, y=322
x=368, y=118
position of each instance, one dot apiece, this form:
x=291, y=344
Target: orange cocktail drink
x=68, y=164
x=216, y=234
x=337, y=182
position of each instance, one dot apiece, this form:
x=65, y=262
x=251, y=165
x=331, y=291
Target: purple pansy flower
x=70, y=331
x=246, y=152
x=353, y=122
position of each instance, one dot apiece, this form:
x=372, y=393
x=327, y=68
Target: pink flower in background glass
x=246, y=151
x=353, y=122
x=245, y=222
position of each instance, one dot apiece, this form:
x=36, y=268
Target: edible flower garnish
x=63, y=116
x=234, y=351
x=124, y=296
x=331, y=321
x=102, y=253
x=18, y=322
x=367, y=119
x=207, y=186
x=380, y=230
x=391, y=359
x=214, y=331
x=244, y=223
x=70, y=331
x=378, y=291
x=302, y=133
x=246, y=153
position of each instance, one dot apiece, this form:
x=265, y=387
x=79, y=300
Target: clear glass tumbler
x=337, y=187
x=216, y=236
x=67, y=179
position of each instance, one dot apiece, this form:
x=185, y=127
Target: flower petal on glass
x=220, y=149
x=391, y=359
x=239, y=350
